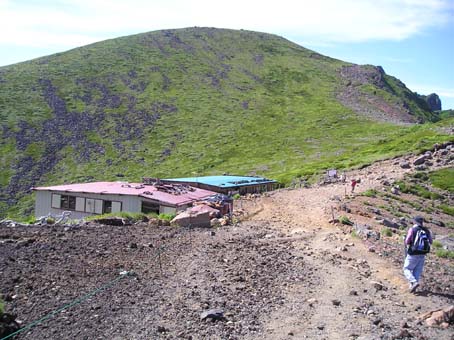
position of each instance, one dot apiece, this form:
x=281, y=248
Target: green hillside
x=197, y=101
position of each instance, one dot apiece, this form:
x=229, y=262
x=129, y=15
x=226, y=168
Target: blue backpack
x=420, y=244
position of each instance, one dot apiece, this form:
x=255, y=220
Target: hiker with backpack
x=417, y=245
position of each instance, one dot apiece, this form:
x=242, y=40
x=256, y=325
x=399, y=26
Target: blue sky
x=412, y=40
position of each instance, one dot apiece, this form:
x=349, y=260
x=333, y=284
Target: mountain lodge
x=87, y=199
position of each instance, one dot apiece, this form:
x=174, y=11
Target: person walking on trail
x=343, y=177
x=353, y=184
x=417, y=245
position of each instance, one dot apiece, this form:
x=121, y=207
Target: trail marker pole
x=159, y=259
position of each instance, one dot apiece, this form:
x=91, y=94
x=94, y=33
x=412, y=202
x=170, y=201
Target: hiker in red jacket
x=353, y=184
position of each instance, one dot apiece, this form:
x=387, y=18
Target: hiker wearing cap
x=417, y=245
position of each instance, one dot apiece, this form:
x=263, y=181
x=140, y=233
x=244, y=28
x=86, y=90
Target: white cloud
x=70, y=23
x=426, y=89
x=399, y=60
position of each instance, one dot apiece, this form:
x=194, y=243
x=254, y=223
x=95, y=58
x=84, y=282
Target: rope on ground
x=122, y=275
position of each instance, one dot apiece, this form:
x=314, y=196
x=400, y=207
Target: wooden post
x=159, y=256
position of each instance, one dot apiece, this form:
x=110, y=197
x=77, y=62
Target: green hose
x=75, y=302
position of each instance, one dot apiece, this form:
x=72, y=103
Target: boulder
x=378, y=286
x=438, y=223
x=336, y=302
x=440, y=317
x=389, y=224
x=387, y=183
x=446, y=145
x=421, y=167
x=403, y=221
x=162, y=329
x=8, y=325
x=447, y=242
x=376, y=211
x=428, y=154
x=203, y=208
x=213, y=314
x=405, y=165
x=420, y=160
x=366, y=231
x=344, y=207
x=199, y=216
x=395, y=190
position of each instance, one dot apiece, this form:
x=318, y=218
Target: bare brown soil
x=283, y=272
x=373, y=294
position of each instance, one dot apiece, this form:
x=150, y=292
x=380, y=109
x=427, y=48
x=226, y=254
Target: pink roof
x=168, y=193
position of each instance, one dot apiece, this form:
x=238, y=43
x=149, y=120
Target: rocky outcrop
x=433, y=101
x=356, y=94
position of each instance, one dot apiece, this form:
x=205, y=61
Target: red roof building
x=85, y=199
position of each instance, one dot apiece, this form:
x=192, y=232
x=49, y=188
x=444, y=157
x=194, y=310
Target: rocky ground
x=282, y=272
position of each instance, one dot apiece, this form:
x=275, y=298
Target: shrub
x=370, y=193
x=345, y=220
x=443, y=179
x=447, y=209
x=418, y=190
x=50, y=220
x=2, y=307
x=236, y=196
x=437, y=244
x=134, y=217
x=354, y=234
x=447, y=254
x=30, y=219
x=167, y=217
x=421, y=175
x=387, y=232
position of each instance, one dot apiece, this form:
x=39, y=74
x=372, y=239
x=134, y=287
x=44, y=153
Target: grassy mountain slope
x=195, y=101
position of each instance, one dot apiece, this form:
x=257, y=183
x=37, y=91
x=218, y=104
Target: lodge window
x=63, y=202
x=107, y=207
x=149, y=207
x=68, y=202
x=111, y=207
x=82, y=204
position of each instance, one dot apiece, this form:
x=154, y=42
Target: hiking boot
x=413, y=287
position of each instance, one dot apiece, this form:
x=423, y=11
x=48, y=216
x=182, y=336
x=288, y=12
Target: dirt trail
x=284, y=272
x=350, y=292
